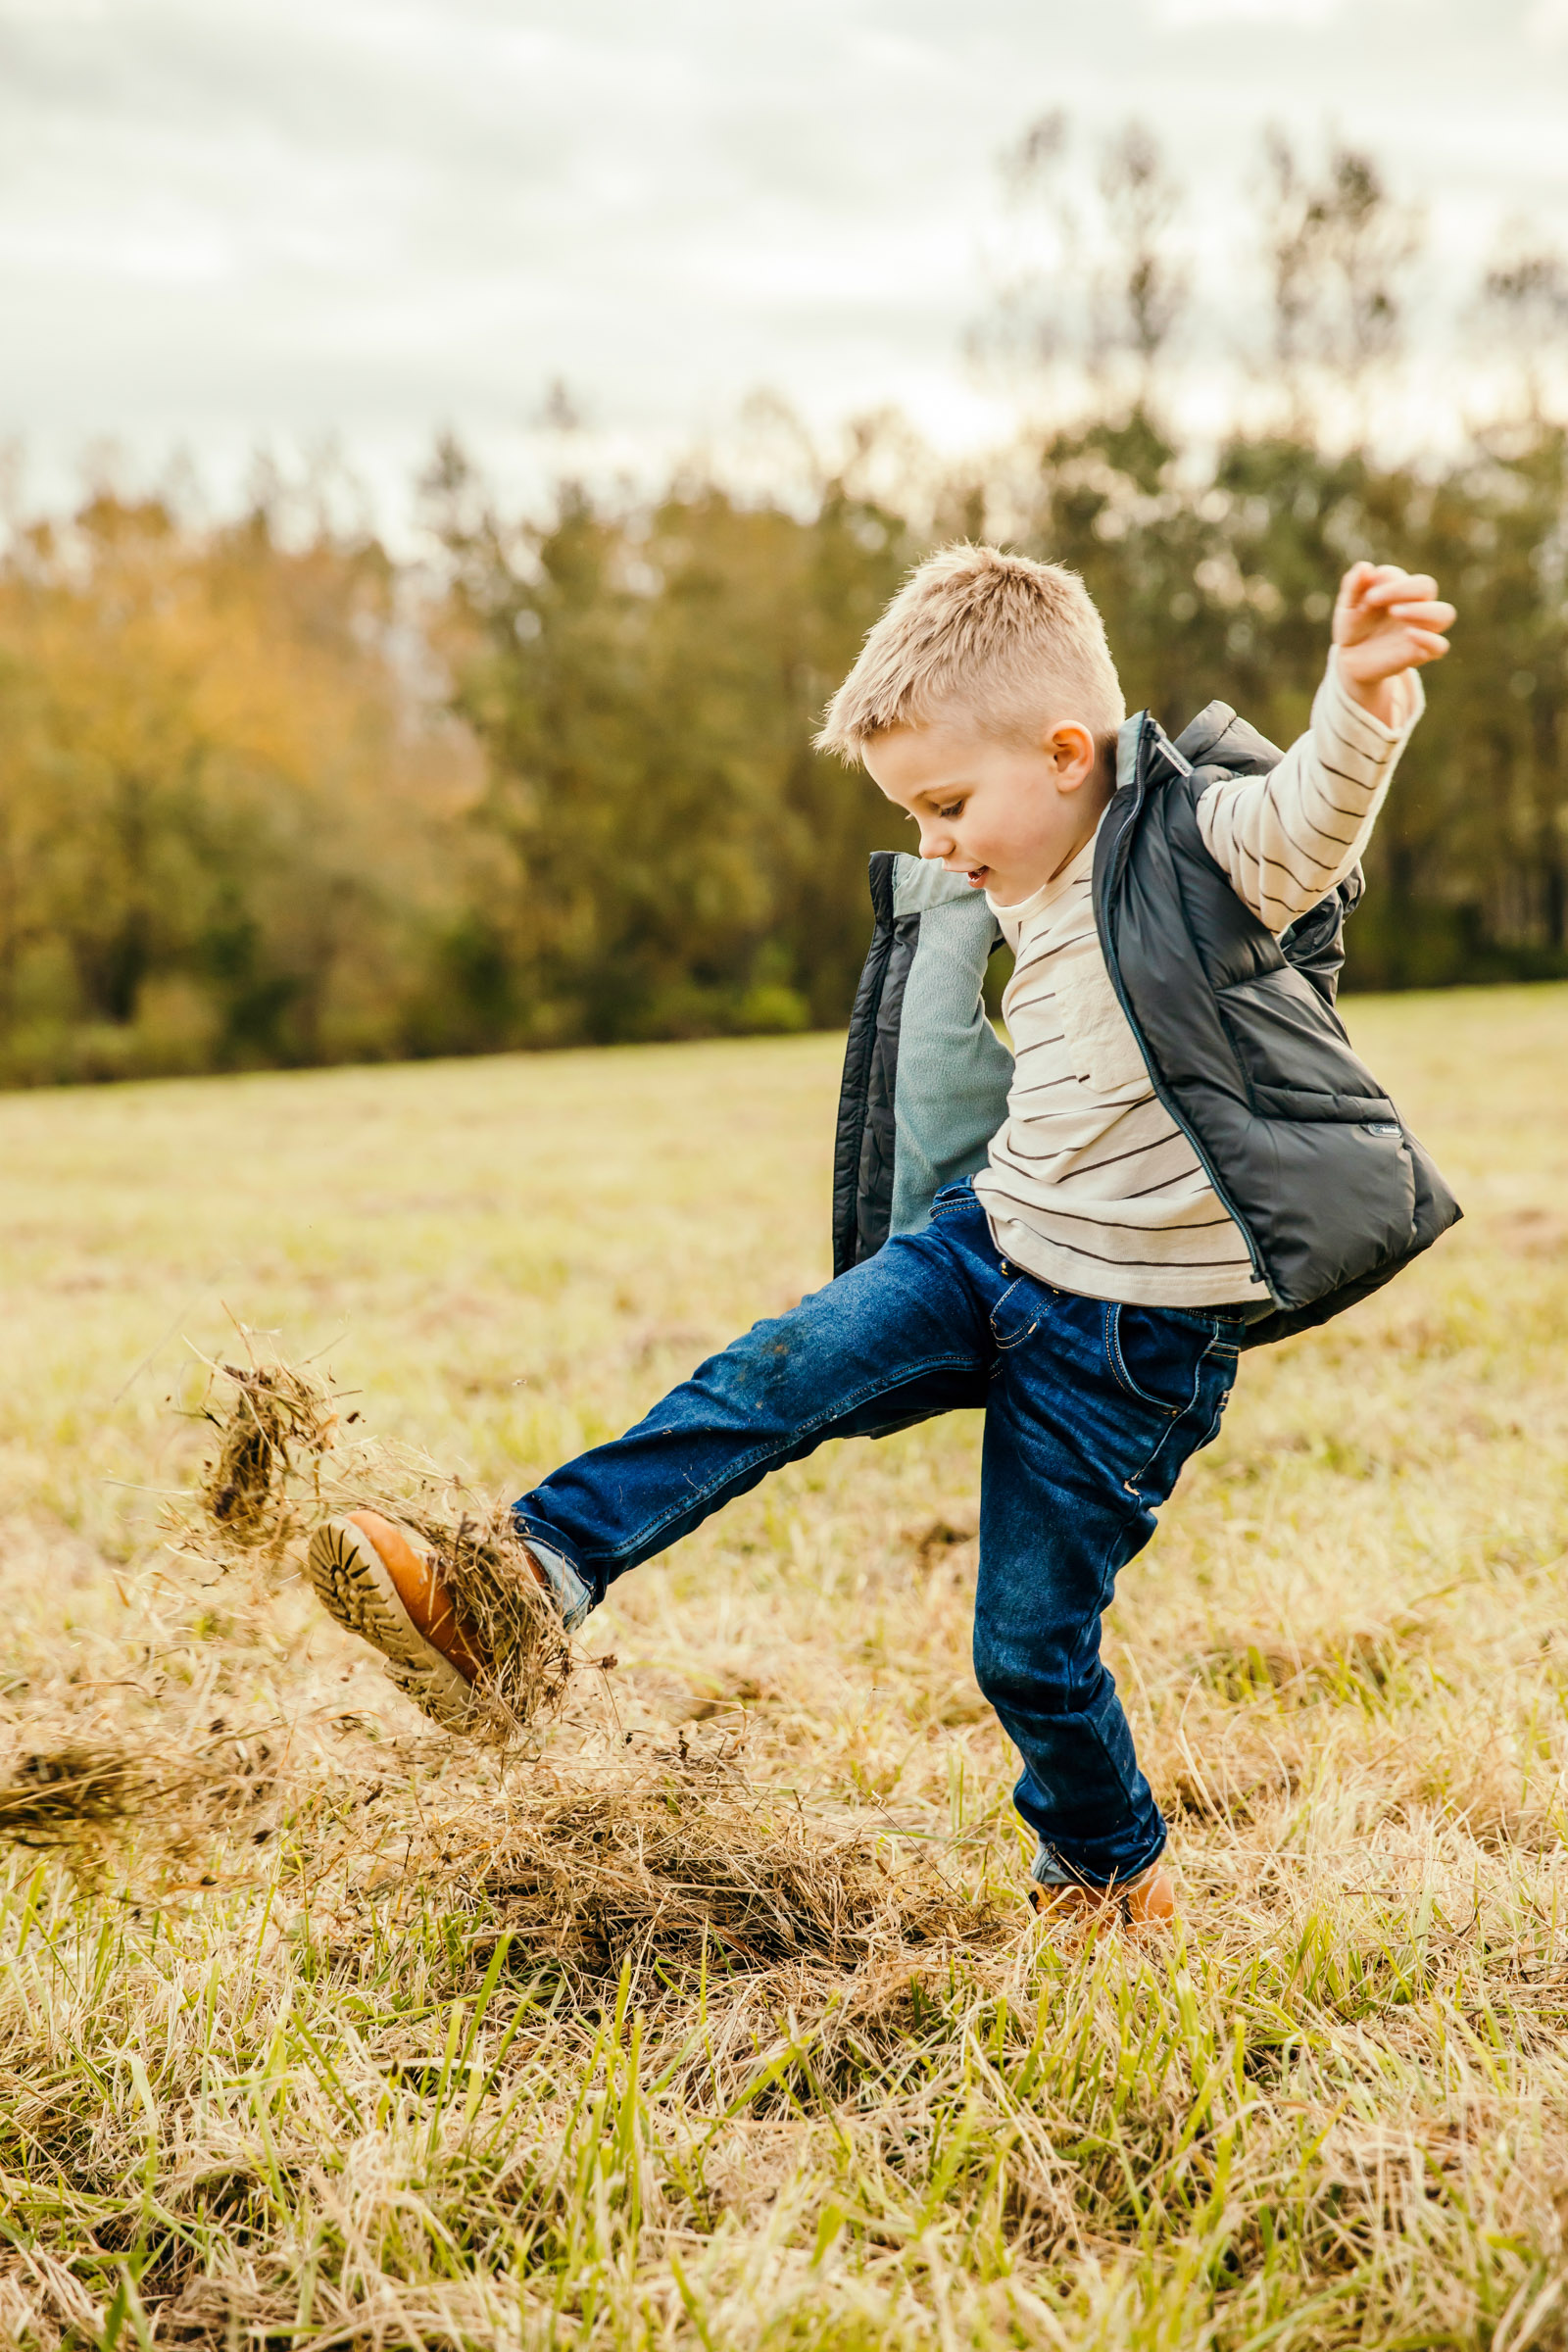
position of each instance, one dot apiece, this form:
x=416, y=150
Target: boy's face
x=1008, y=819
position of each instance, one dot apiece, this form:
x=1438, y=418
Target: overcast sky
x=231, y=221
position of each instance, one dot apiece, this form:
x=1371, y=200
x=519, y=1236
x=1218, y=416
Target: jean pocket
x=1020, y=1310
x=1153, y=1357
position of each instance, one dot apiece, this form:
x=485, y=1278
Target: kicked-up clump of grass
x=172, y=1795
x=57, y=1797
x=273, y=1434
x=286, y=1462
x=684, y=1861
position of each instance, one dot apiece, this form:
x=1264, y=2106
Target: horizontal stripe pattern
x=1089, y=1184
x=1286, y=838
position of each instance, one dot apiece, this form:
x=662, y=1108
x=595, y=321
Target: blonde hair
x=1012, y=645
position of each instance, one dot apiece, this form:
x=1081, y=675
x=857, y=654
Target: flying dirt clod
x=286, y=1462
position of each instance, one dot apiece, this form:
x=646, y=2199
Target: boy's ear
x=1072, y=750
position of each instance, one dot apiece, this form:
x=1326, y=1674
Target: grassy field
x=333, y=2031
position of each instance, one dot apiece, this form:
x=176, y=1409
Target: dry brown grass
x=285, y=1460
x=708, y=2010
x=262, y=1490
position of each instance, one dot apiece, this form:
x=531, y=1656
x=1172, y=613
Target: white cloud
x=1546, y=26
x=1179, y=13
x=279, y=217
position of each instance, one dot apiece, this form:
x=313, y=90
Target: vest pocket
x=1294, y=1054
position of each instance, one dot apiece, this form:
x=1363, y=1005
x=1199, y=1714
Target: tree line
x=269, y=796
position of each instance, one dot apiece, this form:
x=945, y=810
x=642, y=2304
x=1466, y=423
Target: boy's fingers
x=1395, y=587
x=1434, y=616
x=1411, y=648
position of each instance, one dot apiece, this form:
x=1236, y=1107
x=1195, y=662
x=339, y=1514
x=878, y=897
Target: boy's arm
x=1286, y=838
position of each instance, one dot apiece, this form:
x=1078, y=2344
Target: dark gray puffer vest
x=1332, y=1193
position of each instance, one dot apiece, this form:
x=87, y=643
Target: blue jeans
x=1091, y=1411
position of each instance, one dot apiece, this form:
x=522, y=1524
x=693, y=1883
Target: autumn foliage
x=266, y=796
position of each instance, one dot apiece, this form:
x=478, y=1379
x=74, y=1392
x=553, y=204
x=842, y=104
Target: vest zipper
x=1113, y=872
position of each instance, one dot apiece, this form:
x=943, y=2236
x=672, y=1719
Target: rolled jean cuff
x=1048, y=1869
x=573, y=1598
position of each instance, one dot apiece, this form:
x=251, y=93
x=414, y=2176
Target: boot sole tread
x=354, y=1585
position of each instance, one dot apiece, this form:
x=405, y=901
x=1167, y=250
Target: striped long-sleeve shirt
x=1089, y=1184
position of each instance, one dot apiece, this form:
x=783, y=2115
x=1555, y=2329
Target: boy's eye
x=952, y=809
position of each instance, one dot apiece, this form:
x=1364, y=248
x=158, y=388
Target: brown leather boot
x=372, y=1579
x=1147, y=1901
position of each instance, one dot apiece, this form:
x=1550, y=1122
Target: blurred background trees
x=219, y=787
x=268, y=796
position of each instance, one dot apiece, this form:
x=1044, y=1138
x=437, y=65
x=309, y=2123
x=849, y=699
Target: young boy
x=1189, y=1158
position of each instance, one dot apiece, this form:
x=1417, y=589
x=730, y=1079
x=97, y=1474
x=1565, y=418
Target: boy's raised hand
x=1388, y=620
